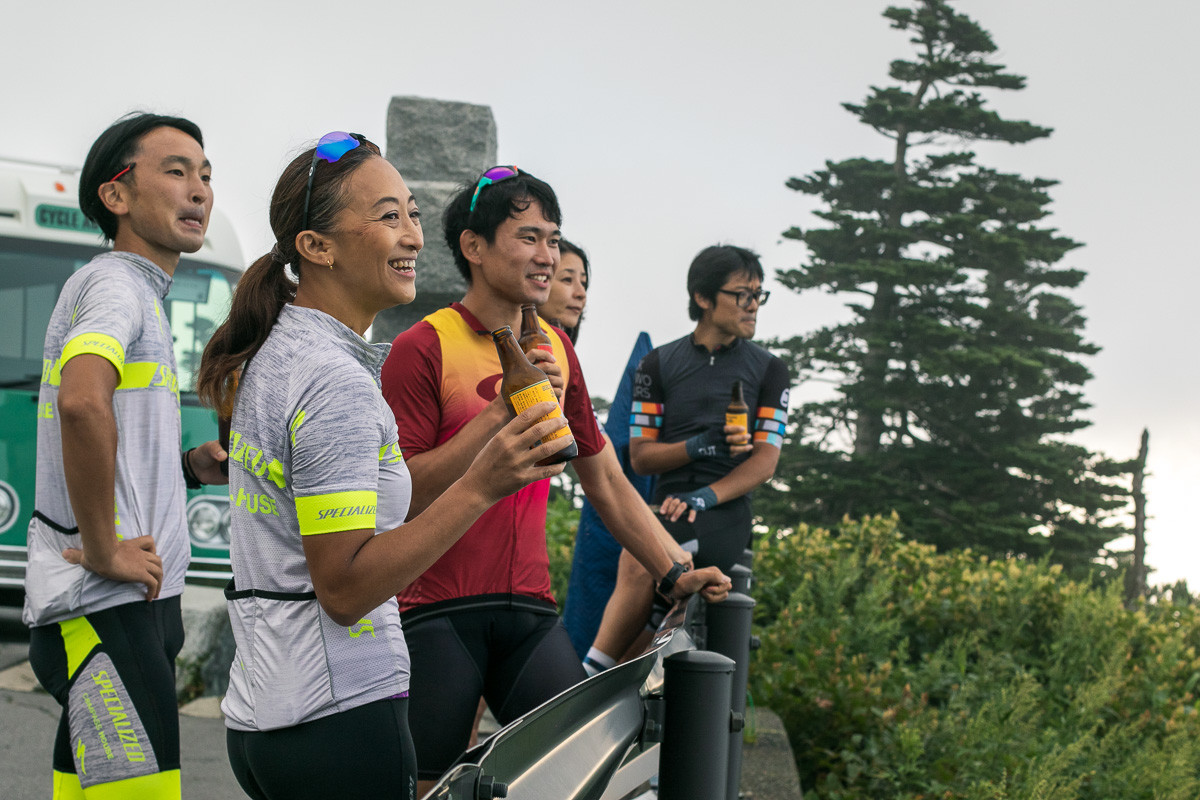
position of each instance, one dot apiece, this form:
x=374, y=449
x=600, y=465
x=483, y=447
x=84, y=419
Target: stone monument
x=438, y=146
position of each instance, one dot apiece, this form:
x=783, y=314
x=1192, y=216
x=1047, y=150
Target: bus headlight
x=10, y=506
x=208, y=520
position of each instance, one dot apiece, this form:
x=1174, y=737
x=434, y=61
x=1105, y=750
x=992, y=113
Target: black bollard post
x=747, y=559
x=694, y=757
x=741, y=577
x=729, y=635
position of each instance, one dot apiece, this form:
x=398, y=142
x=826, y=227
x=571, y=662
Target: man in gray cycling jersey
x=108, y=543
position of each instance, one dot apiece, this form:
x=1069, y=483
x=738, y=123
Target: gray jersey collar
x=370, y=354
x=159, y=280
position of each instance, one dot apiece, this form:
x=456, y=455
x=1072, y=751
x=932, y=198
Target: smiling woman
x=371, y=252
x=568, y=290
x=322, y=488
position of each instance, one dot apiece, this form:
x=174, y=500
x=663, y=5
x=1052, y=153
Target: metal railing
x=676, y=711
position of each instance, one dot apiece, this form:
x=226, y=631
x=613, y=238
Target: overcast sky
x=669, y=127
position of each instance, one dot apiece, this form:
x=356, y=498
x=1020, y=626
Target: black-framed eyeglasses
x=331, y=147
x=745, y=297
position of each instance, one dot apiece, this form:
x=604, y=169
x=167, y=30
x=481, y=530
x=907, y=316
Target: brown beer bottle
x=531, y=332
x=523, y=385
x=737, y=412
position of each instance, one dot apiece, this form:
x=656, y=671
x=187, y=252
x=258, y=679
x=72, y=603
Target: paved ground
x=29, y=718
x=768, y=768
x=14, y=637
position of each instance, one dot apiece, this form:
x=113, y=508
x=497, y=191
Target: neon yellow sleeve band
x=98, y=344
x=138, y=375
x=332, y=513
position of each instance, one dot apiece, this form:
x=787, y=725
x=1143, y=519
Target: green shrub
x=901, y=672
x=562, y=521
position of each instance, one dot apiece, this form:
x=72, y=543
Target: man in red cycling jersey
x=482, y=620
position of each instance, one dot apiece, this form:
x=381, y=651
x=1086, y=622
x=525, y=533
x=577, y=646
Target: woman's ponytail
x=260, y=295
x=309, y=194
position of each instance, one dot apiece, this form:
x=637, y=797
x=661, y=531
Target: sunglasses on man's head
x=128, y=167
x=331, y=147
x=493, y=175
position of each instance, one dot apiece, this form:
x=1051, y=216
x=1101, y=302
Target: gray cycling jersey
x=312, y=452
x=112, y=308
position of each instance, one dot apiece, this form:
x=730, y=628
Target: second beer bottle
x=737, y=412
x=531, y=332
x=523, y=385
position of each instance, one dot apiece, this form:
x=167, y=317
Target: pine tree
x=959, y=374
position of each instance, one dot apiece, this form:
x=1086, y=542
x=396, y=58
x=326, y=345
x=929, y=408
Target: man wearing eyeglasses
x=706, y=468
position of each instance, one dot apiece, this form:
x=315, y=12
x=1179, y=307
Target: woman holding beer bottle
x=320, y=489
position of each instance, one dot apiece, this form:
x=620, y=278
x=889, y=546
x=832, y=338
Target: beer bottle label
x=738, y=419
x=531, y=395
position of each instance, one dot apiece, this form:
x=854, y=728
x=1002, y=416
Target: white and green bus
x=44, y=238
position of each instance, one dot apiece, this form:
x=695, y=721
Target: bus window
x=31, y=276
x=45, y=239
x=197, y=304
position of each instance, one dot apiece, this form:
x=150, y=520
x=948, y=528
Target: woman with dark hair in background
x=568, y=290
x=595, y=559
x=317, y=700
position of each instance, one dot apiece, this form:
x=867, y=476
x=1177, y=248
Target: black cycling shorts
x=366, y=752
x=513, y=651
x=113, y=672
x=720, y=534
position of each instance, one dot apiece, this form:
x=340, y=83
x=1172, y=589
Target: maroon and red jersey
x=440, y=374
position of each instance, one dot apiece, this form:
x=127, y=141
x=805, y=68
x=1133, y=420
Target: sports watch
x=667, y=584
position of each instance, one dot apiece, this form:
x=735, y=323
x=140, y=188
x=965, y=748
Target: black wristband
x=189, y=477
x=667, y=584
